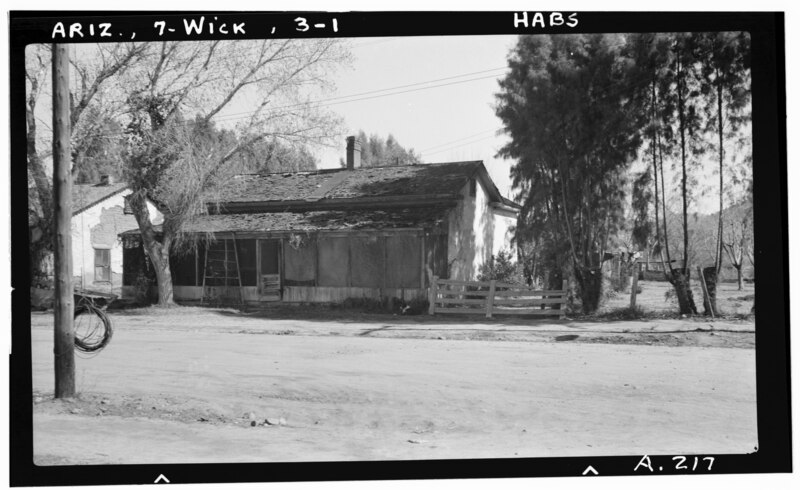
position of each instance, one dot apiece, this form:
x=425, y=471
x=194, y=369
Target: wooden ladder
x=218, y=266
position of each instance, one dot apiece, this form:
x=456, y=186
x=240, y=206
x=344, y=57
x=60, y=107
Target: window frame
x=106, y=277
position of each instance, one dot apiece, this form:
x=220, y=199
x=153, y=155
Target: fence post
x=490, y=298
x=563, y=305
x=634, y=283
x=706, y=296
x=432, y=293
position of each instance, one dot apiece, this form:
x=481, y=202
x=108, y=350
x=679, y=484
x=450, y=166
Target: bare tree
x=174, y=97
x=95, y=66
x=737, y=243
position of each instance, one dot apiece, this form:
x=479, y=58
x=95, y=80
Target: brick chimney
x=353, y=153
x=106, y=179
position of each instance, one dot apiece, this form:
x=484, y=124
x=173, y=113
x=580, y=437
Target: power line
x=460, y=146
x=373, y=91
x=337, y=100
x=405, y=91
x=457, y=140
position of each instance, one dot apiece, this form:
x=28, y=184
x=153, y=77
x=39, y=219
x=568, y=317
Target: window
x=473, y=187
x=102, y=265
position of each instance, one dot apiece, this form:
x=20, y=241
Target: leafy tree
x=682, y=108
x=640, y=203
x=178, y=163
x=726, y=86
x=689, y=73
x=574, y=131
x=669, y=62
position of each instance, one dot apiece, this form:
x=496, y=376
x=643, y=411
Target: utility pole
x=64, y=335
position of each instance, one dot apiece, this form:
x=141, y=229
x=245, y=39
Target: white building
x=99, y=215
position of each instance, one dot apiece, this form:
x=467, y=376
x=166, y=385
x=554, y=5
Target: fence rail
x=491, y=298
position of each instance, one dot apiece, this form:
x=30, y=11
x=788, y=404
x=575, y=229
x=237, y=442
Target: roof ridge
x=335, y=170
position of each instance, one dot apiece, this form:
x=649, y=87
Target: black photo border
x=770, y=222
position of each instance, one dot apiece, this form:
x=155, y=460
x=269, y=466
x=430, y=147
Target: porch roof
x=367, y=219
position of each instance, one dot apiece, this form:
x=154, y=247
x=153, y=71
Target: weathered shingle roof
x=373, y=219
x=407, y=180
x=85, y=196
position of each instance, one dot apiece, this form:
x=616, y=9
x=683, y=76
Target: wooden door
x=269, y=277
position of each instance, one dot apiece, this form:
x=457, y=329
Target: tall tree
x=574, y=131
x=174, y=162
x=726, y=86
x=680, y=137
x=649, y=53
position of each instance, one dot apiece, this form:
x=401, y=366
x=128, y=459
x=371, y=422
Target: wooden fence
x=494, y=298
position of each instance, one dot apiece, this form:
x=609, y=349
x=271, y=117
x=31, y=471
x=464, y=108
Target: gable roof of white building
x=85, y=196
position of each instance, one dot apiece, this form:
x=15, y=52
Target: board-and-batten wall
x=329, y=267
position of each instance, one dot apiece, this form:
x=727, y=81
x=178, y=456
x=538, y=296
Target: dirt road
x=171, y=391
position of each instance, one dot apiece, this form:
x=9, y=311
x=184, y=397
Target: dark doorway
x=269, y=286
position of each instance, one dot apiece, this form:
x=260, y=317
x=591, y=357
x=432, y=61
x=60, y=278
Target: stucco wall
x=470, y=234
x=476, y=231
x=504, y=221
x=98, y=227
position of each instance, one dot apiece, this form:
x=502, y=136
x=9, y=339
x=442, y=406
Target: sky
x=452, y=121
x=441, y=103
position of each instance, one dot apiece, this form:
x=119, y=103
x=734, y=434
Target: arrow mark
x=589, y=469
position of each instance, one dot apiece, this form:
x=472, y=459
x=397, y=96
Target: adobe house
x=329, y=235
x=99, y=215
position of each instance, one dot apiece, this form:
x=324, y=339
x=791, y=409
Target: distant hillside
x=703, y=236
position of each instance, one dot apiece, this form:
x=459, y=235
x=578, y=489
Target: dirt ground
x=654, y=297
x=189, y=385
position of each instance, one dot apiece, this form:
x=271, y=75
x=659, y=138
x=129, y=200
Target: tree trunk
x=683, y=291
x=157, y=251
x=684, y=192
x=710, y=276
x=590, y=282
x=718, y=251
x=739, y=278
x=163, y=278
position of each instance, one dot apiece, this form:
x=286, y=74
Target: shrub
x=502, y=268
